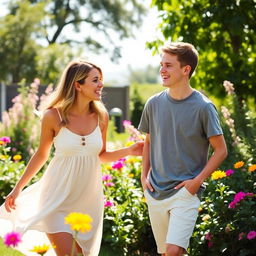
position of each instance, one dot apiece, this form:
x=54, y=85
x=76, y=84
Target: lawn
x=4, y=251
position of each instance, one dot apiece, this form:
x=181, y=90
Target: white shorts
x=173, y=219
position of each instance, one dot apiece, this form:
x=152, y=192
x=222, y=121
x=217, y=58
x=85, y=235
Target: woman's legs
x=63, y=242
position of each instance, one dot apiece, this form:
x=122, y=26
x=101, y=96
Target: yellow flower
x=218, y=175
x=17, y=157
x=3, y=157
x=206, y=217
x=79, y=221
x=200, y=209
x=129, y=143
x=131, y=160
x=252, y=168
x=143, y=199
x=130, y=175
x=42, y=249
x=1, y=142
x=108, y=167
x=239, y=164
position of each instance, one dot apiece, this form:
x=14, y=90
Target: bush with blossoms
x=126, y=223
x=227, y=216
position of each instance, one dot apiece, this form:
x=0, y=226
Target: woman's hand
x=137, y=148
x=10, y=200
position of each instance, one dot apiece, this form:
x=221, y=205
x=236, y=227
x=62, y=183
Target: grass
x=4, y=251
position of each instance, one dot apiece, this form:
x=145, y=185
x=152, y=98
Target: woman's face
x=93, y=85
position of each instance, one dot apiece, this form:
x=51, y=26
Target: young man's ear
x=187, y=69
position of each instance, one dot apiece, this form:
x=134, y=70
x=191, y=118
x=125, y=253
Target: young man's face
x=171, y=72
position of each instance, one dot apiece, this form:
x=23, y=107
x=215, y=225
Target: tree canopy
x=224, y=34
x=56, y=29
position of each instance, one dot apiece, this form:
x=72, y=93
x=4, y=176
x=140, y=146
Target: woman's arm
x=37, y=160
x=110, y=156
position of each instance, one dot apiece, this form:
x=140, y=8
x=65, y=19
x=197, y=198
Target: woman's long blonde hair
x=64, y=95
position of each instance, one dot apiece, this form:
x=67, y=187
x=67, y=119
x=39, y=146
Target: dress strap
x=59, y=114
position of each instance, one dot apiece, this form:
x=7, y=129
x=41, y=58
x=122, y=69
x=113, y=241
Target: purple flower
x=5, y=139
x=106, y=177
x=251, y=235
x=108, y=204
x=12, y=239
x=229, y=172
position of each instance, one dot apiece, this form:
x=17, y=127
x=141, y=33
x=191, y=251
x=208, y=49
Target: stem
x=73, y=244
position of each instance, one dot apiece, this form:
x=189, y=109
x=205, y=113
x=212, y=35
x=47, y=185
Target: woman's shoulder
x=52, y=115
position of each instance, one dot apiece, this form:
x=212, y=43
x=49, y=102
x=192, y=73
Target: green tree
x=107, y=20
x=18, y=48
x=224, y=34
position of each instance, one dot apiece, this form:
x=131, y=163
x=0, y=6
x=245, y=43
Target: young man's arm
x=219, y=154
x=146, y=164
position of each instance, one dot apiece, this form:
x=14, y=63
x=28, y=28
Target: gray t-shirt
x=179, y=132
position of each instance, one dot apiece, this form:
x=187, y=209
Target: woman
x=76, y=123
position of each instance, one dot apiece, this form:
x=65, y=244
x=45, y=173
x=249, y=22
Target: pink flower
x=208, y=236
x=251, y=235
x=229, y=172
x=110, y=184
x=12, y=238
x=108, y=204
x=5, y=139
x=118, y=165
x=126, y=122
x=241, y=236
x=238, y=197
x=106, y=177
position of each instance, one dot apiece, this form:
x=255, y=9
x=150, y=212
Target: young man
x=180, y=123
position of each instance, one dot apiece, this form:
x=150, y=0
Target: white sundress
x=71, y=183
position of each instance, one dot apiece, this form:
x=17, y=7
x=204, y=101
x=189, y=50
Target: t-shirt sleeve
x=211, y=122
x=145, y=117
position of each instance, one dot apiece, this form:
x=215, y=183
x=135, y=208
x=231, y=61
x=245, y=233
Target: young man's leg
x=173, y=220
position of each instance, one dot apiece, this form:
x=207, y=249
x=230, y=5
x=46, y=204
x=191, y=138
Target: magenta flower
x=108, y=204
x=118, y=165
x=12, y=239
x=238, y=197
x=5, y=139
x=251, y=235
x=107, y=177
x=109, y=184
x=208, y=236
x=229, y=172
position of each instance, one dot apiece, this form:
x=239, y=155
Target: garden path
x=30, y=239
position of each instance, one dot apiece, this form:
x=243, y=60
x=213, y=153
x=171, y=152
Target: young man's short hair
x=185, y=52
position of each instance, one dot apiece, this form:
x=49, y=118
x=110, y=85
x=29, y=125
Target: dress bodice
x=68, y=143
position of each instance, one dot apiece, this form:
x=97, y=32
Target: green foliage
x=22, y=121
x=17, y=48
x=4, y=251
x=106, y=17
x=220, y=228
x=137, y=107
x=10, y=171
x=126, y=224
x=224, y=34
